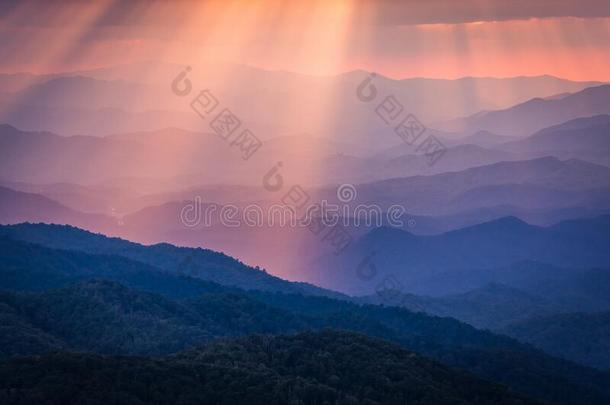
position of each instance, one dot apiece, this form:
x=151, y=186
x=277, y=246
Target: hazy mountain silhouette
x=131, y=94
x=537, y=113
x=424, y=264
x=491, y=306
x=191, y=158
x=16, y=207
x=582, y=138
x=544, y=191
x=484, y=139
x=99, y=122
x=100, y=199
x=434, y=194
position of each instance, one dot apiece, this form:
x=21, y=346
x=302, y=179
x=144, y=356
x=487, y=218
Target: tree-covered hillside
x=199, y=263
x=328, y=367
x=109, y=304
x=583, y=338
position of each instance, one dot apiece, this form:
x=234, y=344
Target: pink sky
x=401, y=39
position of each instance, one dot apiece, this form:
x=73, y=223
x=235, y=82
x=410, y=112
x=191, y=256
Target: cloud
x=380, y=12
x=412, y=12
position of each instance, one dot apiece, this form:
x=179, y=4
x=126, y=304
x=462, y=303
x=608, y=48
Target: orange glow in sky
x=307, y=37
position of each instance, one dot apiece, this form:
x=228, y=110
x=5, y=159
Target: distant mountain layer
x=533, y=115
x=583, y=138
x=178, y=159
x=485, y=139
x=489, y=307
x=448, y=262
x=544, y=182
x=16, y=207
x=437, y=194
x=541, y=191
x=499, y=297
x=123, y=98
x=182, y=159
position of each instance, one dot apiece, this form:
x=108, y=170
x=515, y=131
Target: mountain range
x=538, y=113
x=493, y=288
x=449, y=262
x=582, y=138
x=162, y=312
x=542, y=191
x=137, y=97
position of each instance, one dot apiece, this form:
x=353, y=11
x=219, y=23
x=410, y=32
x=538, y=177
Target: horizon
x=74, y=73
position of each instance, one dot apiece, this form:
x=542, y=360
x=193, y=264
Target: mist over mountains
x=493, y=287
x=305, y=203
x=137, y=97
